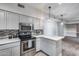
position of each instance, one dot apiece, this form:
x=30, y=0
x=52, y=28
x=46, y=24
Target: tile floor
x=70, y=48
x=40, y=54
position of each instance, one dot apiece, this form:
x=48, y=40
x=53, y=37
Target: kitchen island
x=52, y=46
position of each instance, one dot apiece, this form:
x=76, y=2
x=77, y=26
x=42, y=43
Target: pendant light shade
x=62, y=23
x=61, y=19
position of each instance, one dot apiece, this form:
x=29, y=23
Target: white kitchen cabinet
x=10, y=49
x=25, y=19
x=16, y=51
x=41, y=23
x=38, y=43
x=5, y=52
x=29, y=20
x=36, y=23
x=2, y=20
x=12, y=20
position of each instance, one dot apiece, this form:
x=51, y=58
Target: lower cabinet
x=12, y=49
x=16, y=51
x=5, y=52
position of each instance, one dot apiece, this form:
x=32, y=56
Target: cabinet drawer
x=9, y=45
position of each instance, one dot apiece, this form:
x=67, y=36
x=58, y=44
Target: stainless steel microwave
x=25, y=27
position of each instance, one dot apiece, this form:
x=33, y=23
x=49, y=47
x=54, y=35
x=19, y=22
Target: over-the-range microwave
x=25, y=27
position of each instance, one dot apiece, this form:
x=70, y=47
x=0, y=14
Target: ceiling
x=70, y=11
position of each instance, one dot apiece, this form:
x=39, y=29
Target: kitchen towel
x=29, y=43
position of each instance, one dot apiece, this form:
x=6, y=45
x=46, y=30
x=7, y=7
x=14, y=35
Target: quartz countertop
x=6, y=40
x=55, y=38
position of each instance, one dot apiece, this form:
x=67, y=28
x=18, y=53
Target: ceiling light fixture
x=62, y=19
x=49, y=11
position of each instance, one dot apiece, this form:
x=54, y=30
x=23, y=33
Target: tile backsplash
x=8, y=32
x=15, y=32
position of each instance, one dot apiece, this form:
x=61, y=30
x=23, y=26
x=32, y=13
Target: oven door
x=24, y=47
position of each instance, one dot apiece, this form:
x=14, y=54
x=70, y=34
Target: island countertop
x=55, y=38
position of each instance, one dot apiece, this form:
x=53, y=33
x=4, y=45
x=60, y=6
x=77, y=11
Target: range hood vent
x=20, y=5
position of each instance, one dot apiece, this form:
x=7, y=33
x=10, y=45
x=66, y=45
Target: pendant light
x=49, y=11
x=61, y=19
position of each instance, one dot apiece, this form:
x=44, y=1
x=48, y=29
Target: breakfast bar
x=50, y=45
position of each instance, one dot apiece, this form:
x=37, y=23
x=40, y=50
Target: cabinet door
x=16, y=51
x=41, y=23
x=5, y=52
x=12, y=21
x=30, y=20
x=36, y=23
x=25, y=19
x=2, y=20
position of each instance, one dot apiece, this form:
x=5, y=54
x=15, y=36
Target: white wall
x=25, y=11
x=70, y=30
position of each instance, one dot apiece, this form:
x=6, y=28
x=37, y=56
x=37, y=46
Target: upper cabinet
x=12, y=20
x=25, y=19
x=2, y=20
x=36, y=23
x=41, y=23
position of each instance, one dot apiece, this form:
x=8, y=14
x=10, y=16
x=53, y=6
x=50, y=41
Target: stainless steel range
x=27, y=45
x=27, y=41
